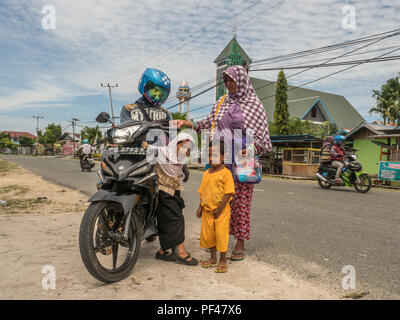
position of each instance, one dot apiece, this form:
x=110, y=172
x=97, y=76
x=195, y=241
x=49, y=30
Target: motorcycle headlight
x=125, y=134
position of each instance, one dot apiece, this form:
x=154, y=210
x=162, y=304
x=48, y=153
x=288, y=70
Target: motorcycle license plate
x=129, y=150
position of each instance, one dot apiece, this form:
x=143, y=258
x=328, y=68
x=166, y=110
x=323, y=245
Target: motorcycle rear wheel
x=89, y=248
x=365, y=184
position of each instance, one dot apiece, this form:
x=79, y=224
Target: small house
x=299, y=155
x=372, y=141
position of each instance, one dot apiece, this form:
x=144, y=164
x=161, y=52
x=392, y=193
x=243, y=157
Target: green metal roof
x=225, y=53
x=342, y=113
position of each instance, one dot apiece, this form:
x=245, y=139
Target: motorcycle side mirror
x=103, y=117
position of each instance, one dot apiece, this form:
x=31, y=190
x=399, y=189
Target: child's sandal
x=221, y=268
x=208, y=264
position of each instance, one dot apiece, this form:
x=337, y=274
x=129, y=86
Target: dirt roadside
x=37, y=232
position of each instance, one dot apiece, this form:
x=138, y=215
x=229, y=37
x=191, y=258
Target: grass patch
x=18, y=190
x=6, y=165
x=356, y=295
x=20, y=204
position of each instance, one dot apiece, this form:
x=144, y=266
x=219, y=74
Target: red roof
x=17, y=134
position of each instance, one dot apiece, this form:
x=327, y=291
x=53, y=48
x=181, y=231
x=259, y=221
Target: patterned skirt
x=239, y=225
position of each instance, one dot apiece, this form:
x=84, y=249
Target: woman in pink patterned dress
x=240, y=109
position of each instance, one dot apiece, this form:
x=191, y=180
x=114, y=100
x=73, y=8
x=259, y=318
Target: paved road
x=298, y=227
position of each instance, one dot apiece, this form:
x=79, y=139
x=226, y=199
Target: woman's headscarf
x=172, y=162
x=252, y=108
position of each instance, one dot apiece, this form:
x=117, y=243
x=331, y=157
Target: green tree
x=26, y=141
x=281, y=114
x=393, y=88
x=6, y=143
x=51, y=135
x=5, y=135
x=91, y=134
x=304, y=127
x=179, y=115
x=388, y=101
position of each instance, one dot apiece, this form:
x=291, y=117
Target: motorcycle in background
x=352, y=175
x=87, y=163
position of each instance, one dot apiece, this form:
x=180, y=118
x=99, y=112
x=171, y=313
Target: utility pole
x=73, y=132
x=37, y=132
x=109, y=92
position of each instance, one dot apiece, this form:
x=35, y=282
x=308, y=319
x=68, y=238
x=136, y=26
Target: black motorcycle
x=87, y=163
x=122, y=212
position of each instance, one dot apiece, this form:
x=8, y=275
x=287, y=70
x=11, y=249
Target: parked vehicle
x=122, y=212
x=352, y=175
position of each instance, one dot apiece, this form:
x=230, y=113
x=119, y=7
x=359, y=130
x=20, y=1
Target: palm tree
x=393, y=88
x=382, y=104
x=92, y=134
x=388, y=101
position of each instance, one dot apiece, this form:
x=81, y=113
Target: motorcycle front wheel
x=107, y=257
x=363, y=183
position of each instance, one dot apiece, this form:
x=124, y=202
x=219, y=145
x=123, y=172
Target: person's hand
x=217, y=212
x=244, y=152
x=145, y=145
x=199, y=211
x=180, y=123
x=185, y=172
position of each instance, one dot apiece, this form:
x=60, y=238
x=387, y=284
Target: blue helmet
x=155, y=86
x=85, y=141
x=340, y=139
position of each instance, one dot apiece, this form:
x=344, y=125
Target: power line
x=334, y=64
x=396, y=32
x=196, y=95
x=203, y=32
x=331, y=74
x=337, y=46
x=377, y=37
x=186, y=40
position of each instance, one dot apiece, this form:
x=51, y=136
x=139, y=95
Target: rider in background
x=326, y=150
x=84, y=150
x=337, y=156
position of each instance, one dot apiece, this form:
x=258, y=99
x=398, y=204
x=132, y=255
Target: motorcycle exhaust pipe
x=321, y=177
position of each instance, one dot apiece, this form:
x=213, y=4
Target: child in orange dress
x=216, y=190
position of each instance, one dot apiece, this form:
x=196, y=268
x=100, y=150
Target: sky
x=55, y=69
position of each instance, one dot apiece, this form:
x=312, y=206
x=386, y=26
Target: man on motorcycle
x=337, y=156
x=154, y=86
x=84, y=151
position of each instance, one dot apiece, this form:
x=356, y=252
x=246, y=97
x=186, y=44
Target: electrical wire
x=331, y=74
x=334, y=64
